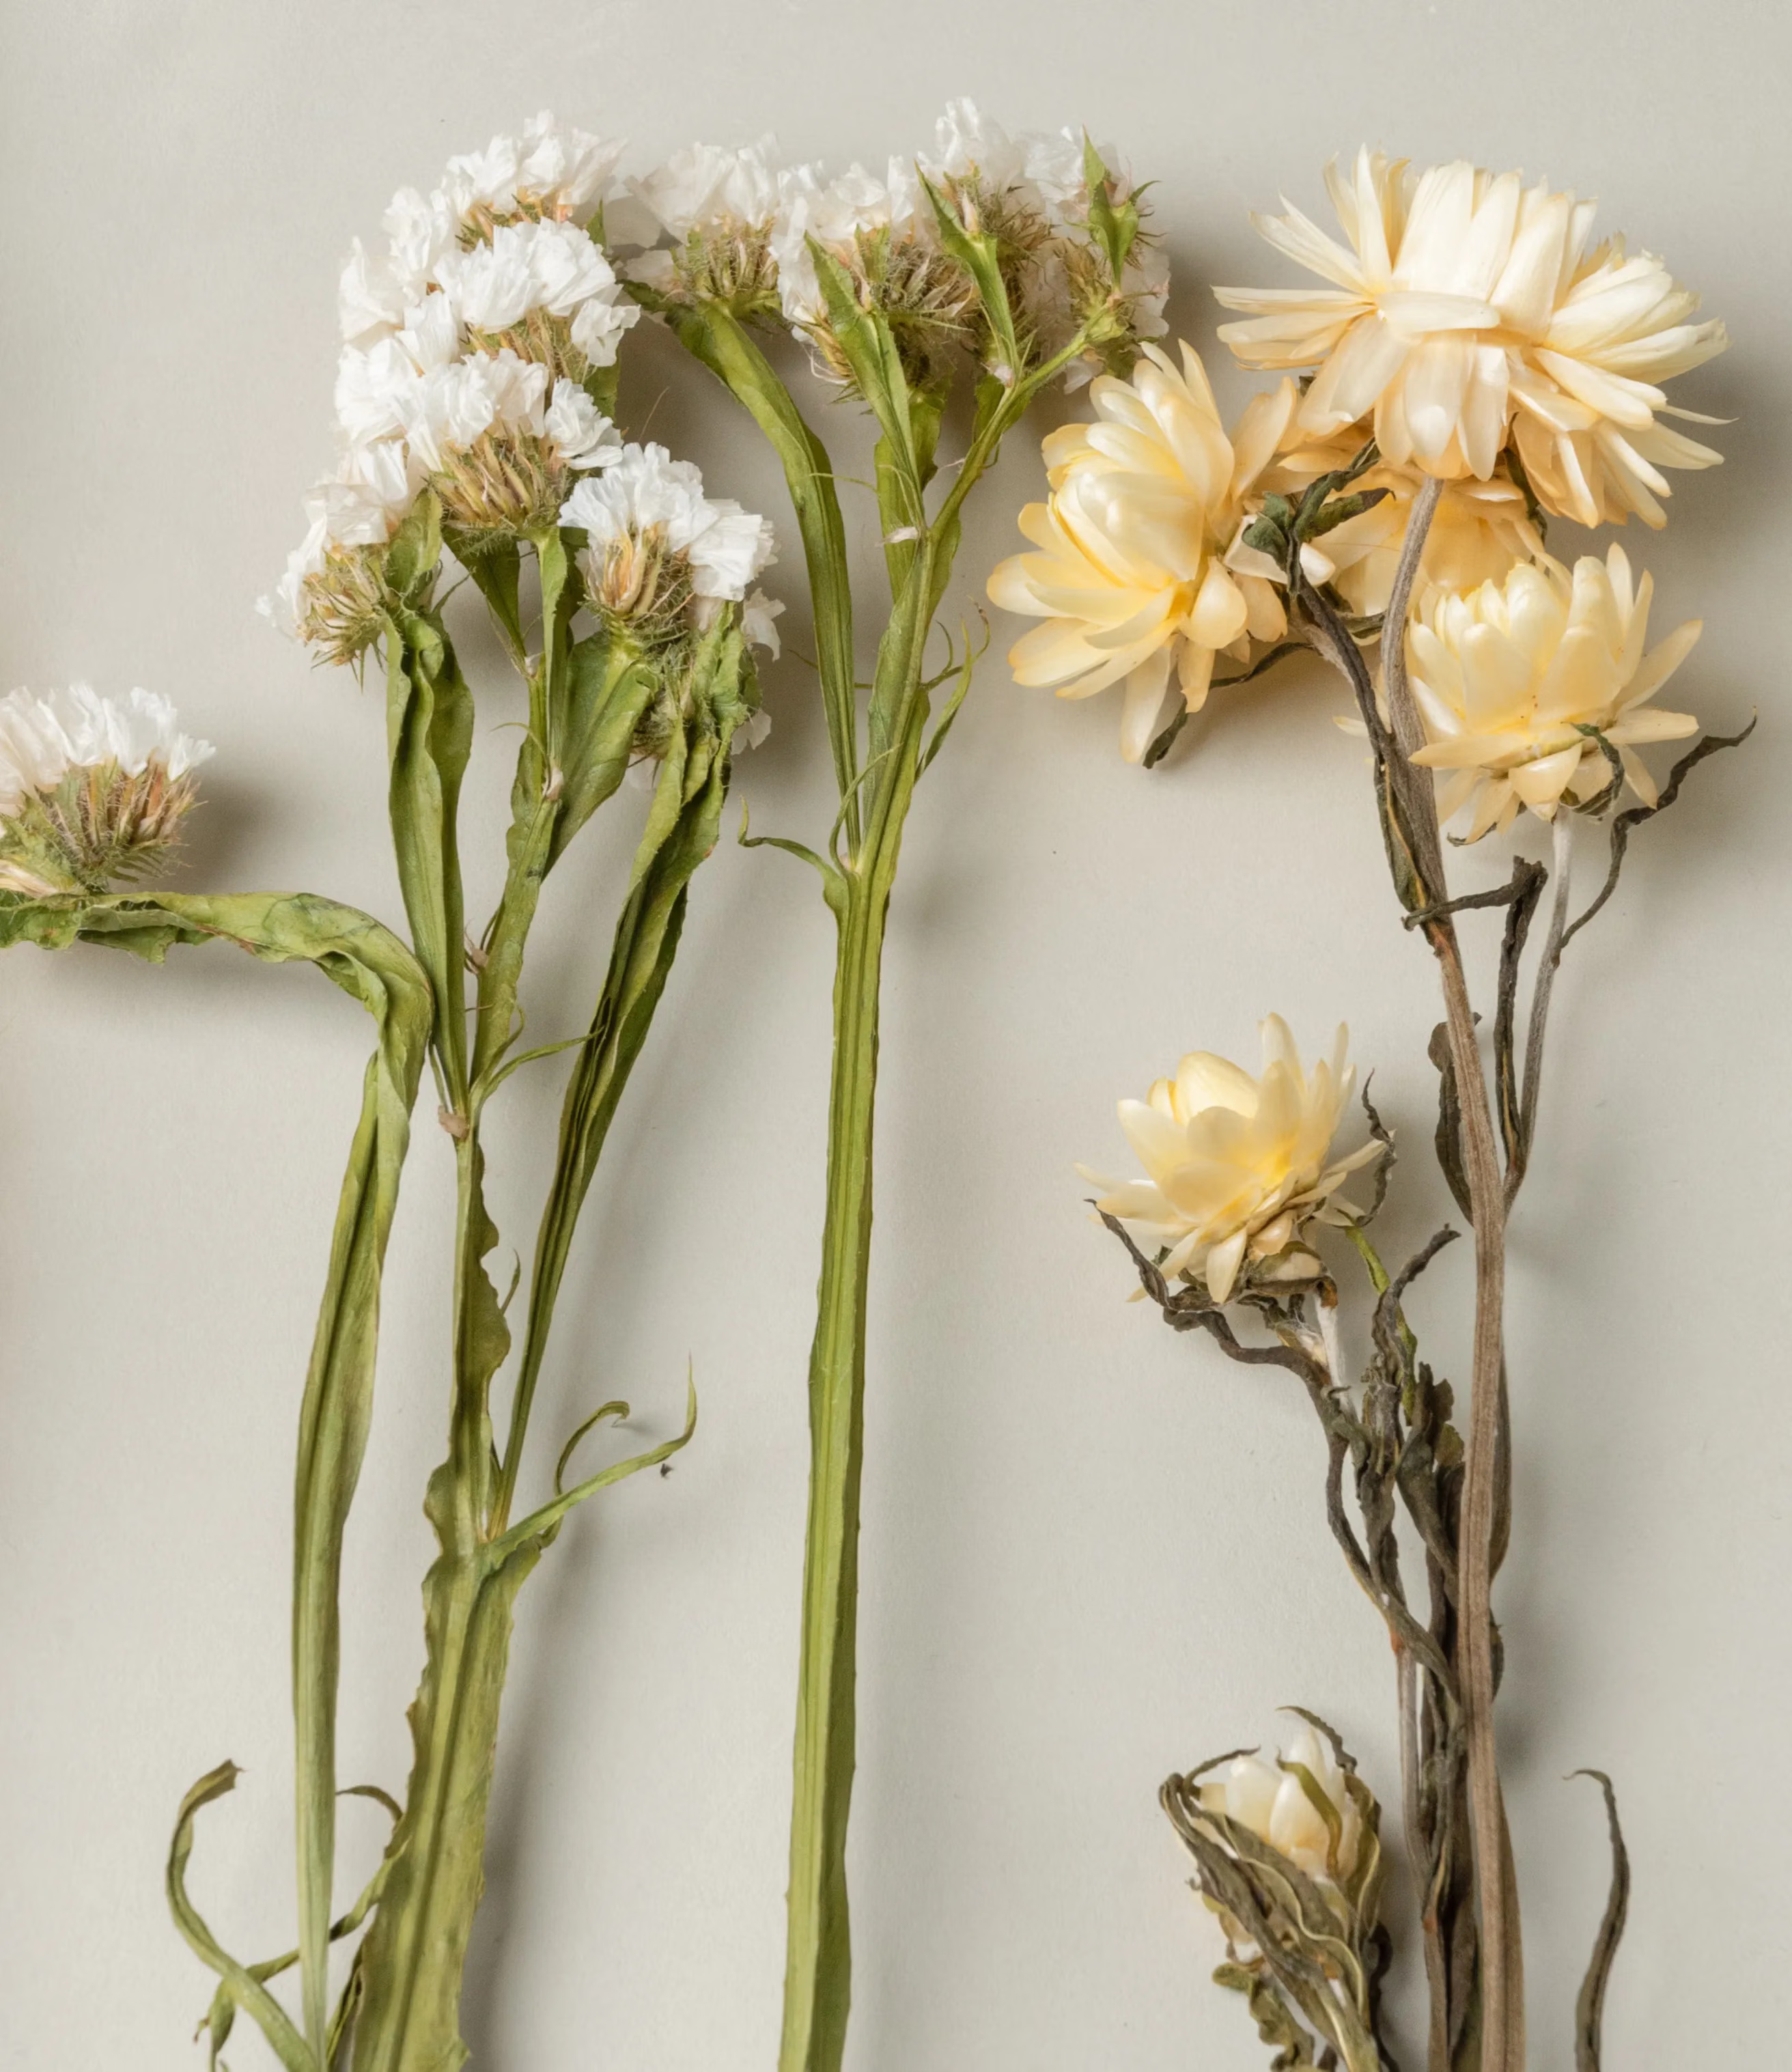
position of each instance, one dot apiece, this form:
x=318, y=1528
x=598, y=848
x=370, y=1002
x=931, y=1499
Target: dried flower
x=1477, y=530
x=1519, y=683
x=657, y=546
x=92, y=790
x=1238, y=1167
x=718, y=206
x=1132, y=573
x=1276, y=1802
x=1471, y=301
x=882, y=232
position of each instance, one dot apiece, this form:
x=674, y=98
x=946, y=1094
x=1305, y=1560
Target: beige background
x=1092, y=1553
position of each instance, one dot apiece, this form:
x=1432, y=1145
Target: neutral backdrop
x=1093, y=1553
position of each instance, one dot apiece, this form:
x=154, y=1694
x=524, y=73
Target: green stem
x=818, y=1957
x=818, y=1963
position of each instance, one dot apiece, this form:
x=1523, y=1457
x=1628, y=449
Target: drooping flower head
x=1274, y=1802
x=1467, y=311
x=1236, y=1168
x=92, y=790
x=1130, y=575
x=1519, y=683
x=658, y=551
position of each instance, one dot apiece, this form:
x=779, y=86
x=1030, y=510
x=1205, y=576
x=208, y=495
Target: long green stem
x=818, y=1960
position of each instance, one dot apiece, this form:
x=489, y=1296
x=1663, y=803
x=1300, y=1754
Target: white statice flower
x=1469, y=309
x=1131, y=576
x=548, y=172
x=1514, y=680
x=654, y=542
x=707, y=186
x=718, y=208
x=583, y=436
x=92, y=789
x=1237, y=1168
x=1271, y=1802
x=973, y=152
x=837, y=213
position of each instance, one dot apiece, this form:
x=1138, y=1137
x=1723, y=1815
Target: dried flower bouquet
x=1474, y=367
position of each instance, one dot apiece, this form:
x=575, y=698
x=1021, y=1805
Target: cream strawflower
x=1508, y=677
x=1272, y=1803
x=1466, y=299
x=1238, y=1167
x=92, y=789
x=1131, y=574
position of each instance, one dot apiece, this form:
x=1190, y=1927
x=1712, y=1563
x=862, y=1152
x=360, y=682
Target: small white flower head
x=92, y=790
x=332, y=597
x=657, y=547
x=881, y=230
x=759, y=617
x=547, y=173
x=718, y=207
x=1030, y=193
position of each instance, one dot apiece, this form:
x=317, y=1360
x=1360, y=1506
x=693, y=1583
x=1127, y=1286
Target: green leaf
x=608, y=689
x=430, y=737
x=979, y=255
x=416, y=1950
x=415, y=553
x=681, y=832
x=498, y=574
x=1114, y=228
x=246, y=1990
x=366, y=961
x=716, y=339
x=869, y=347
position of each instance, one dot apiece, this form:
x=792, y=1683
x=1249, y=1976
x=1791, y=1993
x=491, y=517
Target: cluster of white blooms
x=466, y=342
x=43, y=737
x=659, y=553
x=133, y=766
x=1033, y=188
x=740, y=224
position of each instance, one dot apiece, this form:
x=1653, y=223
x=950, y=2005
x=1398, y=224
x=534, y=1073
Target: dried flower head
x=1298, y=1804
x=1467, y=310
x=882, y=232
x=1030, y=194
x=1131, y=574
x=718, y=208
x=1478, y=530
x=1237, y=1168
x=92, y=790
x=470, y=343
x=1524, y=686
x=657, y=548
